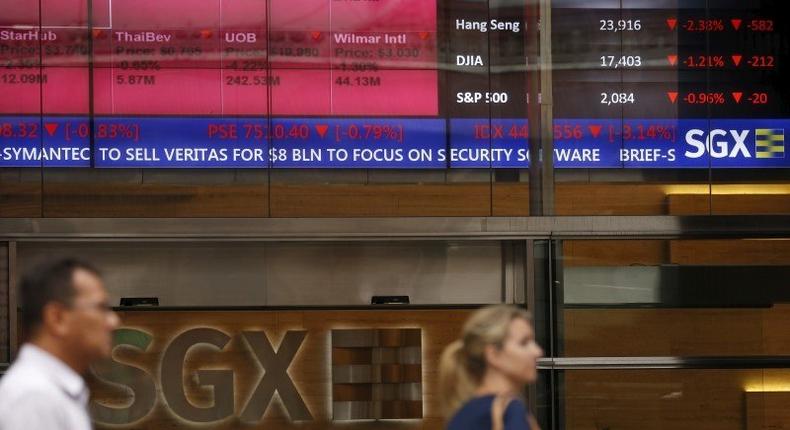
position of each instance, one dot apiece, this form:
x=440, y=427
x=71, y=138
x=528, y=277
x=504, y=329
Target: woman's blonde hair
x=463, y=363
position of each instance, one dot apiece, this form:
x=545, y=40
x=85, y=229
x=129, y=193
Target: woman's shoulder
x=476, y=414
x=475, y=404
x=473, y=414
x=515, y=416
x=516, y=406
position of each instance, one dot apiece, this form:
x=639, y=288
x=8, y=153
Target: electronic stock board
x=394, y=84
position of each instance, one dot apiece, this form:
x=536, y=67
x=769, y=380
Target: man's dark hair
x=48, y=282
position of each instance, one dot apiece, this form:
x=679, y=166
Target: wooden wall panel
x=730, y=252
x=776, y=336
x=380, y=200
x=728, y=204
x=5, y=323
x=767, y=398
x=677, y=332
x=97, y=199
x=310, y=369
x=510, y=199
x=767, y=410
x=689, y=204
x=20, y=199
x=154, y=200
x=614, y=252
x=610, y=199
x=656, y=399
x=665, y=332
x=747, y=204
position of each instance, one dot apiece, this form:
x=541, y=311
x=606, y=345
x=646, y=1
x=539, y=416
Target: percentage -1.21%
x=704, y=61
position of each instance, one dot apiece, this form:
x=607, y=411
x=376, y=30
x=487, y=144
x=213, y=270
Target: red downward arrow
x=595, y=130
x=206, y=34
x=321, y=129
x=673, y=59
x=315, y=35
x=737, y=60
x=97, y=34
x=424, y=35
x=51, y=128
x=673, y=96
x=737, y=96
x=672, y=22
x=736, y=23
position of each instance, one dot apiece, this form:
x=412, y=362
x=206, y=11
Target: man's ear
x=53, y=318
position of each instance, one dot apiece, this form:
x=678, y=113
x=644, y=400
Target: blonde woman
x=483, y=374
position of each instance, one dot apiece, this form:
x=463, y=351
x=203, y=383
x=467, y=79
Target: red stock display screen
x=403, y=84
x=229, y=57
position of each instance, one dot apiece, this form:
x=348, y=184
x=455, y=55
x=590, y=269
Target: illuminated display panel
x=670, y=84
x=404, y=84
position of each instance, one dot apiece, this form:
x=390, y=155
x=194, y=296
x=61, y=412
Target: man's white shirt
x=41, y=392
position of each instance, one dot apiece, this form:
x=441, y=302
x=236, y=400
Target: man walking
x=69, y=323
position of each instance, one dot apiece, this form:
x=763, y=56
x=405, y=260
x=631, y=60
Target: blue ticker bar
x=386, y=143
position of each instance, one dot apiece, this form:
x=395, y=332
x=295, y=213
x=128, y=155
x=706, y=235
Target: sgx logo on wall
x=720, y=143
x=376, y=374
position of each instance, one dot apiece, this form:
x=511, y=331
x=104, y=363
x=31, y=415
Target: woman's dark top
x=476, y=415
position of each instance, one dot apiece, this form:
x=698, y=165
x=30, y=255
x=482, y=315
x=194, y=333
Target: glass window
x=289, y=274
x=5, y=306
x=679, y=105
x=678, y=398
x=672, y=298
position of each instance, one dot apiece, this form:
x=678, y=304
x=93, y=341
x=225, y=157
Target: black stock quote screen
x=682, y=84
x=394, y=84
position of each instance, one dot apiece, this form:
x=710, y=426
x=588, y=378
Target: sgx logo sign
x=376, y=373
x=275, y=363
x=719, y=143
x=769, y=143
